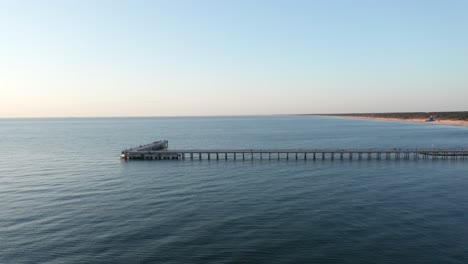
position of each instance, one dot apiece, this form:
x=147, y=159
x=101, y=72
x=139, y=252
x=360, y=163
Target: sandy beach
x=447, y=122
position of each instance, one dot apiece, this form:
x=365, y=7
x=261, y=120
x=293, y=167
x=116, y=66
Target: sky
x=91, y=58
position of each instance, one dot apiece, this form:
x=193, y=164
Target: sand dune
x=412, y=120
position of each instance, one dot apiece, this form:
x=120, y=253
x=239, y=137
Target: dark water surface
x=65, y=197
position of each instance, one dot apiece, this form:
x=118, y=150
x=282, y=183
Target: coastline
x=447, y=122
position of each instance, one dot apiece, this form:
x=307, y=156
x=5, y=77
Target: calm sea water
x=66, y=197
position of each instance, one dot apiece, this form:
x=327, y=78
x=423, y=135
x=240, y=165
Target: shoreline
x=447, y=122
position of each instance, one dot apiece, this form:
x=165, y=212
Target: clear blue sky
x=159, y=58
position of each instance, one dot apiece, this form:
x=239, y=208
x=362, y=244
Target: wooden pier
x=148, y=152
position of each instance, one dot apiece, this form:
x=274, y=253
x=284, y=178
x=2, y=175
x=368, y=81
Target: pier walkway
x=296, y=154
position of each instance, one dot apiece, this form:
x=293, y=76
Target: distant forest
x=462, y=115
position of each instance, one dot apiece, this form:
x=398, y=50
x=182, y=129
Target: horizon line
x=245, y=115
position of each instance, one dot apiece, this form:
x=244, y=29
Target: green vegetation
x=462, y=115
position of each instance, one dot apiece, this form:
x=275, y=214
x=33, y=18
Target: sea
x=67, y=197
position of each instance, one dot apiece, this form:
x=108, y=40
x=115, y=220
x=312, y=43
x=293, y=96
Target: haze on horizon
x=169, y=58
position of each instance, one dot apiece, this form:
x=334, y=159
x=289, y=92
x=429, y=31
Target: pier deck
x=297, y=154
